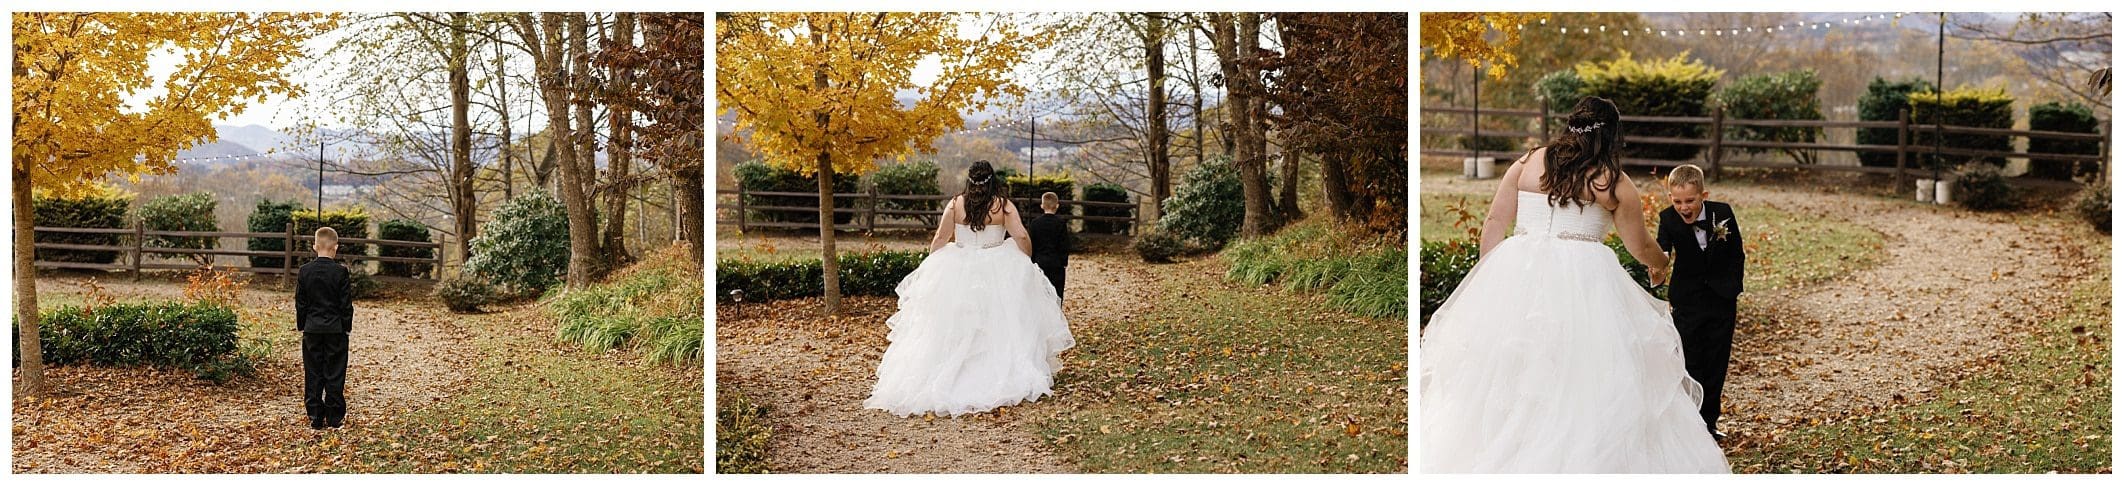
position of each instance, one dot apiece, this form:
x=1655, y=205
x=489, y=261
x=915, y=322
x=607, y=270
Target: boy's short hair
x=1686, y=175
x=1049, y=200
x=327, y=235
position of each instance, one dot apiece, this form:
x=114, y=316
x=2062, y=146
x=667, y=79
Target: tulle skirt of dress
x=977, y=328
x=1549, y=358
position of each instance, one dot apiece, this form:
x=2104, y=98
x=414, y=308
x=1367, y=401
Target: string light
x=1727, y=30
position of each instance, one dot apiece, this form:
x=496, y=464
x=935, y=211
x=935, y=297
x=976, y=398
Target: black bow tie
x=1703, y=222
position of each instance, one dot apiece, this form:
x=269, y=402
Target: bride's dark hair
x=982, y=189
x=1585, y=159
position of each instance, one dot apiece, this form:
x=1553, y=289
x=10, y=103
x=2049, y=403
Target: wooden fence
x=135, y=248
x=870, y=217
x=1715, y=160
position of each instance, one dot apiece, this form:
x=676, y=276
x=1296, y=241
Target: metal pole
x=1939, y=96
x=1032, y=145
x=1476, y=119
x=320, y=180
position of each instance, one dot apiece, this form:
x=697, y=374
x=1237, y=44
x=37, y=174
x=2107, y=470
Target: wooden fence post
x=1718, y=136
x=1902, y=146
x=870, y=213
x=740, y=210
x=2102, y=164
x=1544, y=120
x=287, y=256
x=139, y=241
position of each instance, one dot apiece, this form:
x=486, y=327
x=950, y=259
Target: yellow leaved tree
x=73, y=76
x=1476, y=37
x=819, y=92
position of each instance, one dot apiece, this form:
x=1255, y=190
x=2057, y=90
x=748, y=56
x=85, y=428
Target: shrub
x=403, y=230
x=524, y=249
x=760, y=176
x=1361, y=275
x=172, y=334
x=361, y=284
x=1030, y=188
x=185, y=212
x=1983, y=187
x=741, y=434
x=270, y=217
x=1440, y=266
x=910, y=178
x=1676, y=86
x=1208, y=206
x=352, y=222
x=102, y=207
x=464, y=294
x=1884, y=101
x=1108, y=192
x=874, y=273
x=655, y=304
x=1966, y=107
x=1561, y=89
x=1787, y=95
x=1158, y=246
x=1376, y=284
x=1489, y=143
x=1636, y=269
x=2062, y=117
x=2093, y=206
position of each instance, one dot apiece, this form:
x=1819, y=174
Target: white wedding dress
x=978, y=327
x=1548, y=358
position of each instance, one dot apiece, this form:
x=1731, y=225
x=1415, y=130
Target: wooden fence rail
x=133, y=245
x=870, y=217
x=1716, y=141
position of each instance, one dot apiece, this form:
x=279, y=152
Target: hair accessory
x=1588, y=128
x=983, y=180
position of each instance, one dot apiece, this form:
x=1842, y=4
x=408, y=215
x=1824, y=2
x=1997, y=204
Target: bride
x=1548, y=358
x=979, y=326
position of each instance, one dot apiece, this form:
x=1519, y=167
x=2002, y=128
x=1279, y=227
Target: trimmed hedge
x=1441, y=264
x=1675, y=86
x=173, y=334
x=100, y=208
x=1789, y=95
x=524, y=249
x=1561, y=89
x=1209, y=205
x=1966, y=107
x=270, y=217
x=2062, y=117
x=1883, y=101
x=873, y=273
x=910, y=178
x=184, y=212
x=760, y=176
x=403, y=230
x=1107, y=192
x=1030, y=188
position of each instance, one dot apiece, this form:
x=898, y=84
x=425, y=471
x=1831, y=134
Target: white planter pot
x=1943, y=192
x=1478, y=167
x=1924, y=190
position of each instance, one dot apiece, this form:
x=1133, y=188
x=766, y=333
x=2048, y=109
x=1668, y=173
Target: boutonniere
x=1718, y=229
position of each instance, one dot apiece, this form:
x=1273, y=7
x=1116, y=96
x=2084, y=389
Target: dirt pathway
x=814, y=373
x=1951, y=289
x=403, y=355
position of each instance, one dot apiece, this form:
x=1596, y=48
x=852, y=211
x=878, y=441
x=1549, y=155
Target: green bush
x=875, y=273
x=1561, y=89
x=352, y=222
x=1966, y=107
x=1676, y=86
x=403, y=230
x=1159, y=246
x=186, y=212
x=102, y=207
x=464, y=294
x=361, y=284
x=2062, y=117
x=1107, y=192
x=654, y=306
x=172, y=334
x=1884, y=101
x=1360, y=276
x=1636, y=269
x=1789, y=95
x=760, y=176
x=2093, y=206
x=1030, y=188
x=741, y=434
x=1983, y=187
x=909, y=178
x=1440, y=266
x=1208, y=207
x=270, y=217
x=524, y=249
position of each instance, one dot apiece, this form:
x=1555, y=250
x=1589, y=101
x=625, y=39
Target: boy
x=324, y=313
x=1704, y=288
x=1050, y=241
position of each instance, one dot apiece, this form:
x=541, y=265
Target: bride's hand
x=1658, y=274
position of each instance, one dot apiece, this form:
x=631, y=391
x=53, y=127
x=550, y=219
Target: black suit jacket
x=1050, y=240
x=1718, y=267
x=324, y=298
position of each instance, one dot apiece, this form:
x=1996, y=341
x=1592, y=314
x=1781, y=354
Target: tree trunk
x=553, y=80
x=1335, y=185
x=1194, y=71
x=32, y=368
x=619, y=149
x=1287, y=202
x=829, y=263
x=464, y=203
x=687, y=187
x=508, y=141
x=1236, y=37
x=1161, y=163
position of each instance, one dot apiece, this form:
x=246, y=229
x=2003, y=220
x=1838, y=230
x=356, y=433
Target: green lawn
x=1225, y=377
x=2044, y=407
